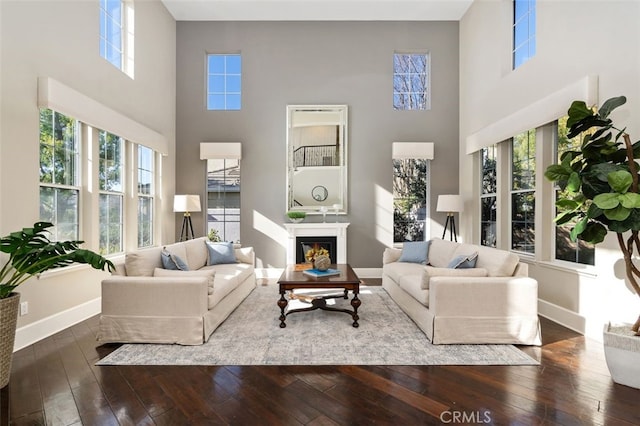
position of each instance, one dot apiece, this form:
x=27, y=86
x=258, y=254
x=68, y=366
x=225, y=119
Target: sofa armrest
x=154, y=296
x=391, y=255
x=245, y=255
x=483, y=297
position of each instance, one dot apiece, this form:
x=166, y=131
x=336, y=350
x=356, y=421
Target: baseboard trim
x=562, y=316
x=31, y=333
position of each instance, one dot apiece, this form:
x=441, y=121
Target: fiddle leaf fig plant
x=31, y=252
x=600, y=184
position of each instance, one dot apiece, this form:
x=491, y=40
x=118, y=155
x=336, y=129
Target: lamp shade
x=450, y=203
x=186, y=203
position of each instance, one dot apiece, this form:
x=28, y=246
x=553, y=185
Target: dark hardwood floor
x=55, y=382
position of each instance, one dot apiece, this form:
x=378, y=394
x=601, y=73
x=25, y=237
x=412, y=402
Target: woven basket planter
x=8, y=321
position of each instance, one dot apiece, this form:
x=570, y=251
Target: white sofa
x=143, y=302
x=493, y=302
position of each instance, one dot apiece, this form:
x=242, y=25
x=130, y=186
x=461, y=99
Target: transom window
x=59, y=174
x=224, y=82
x=116, y=33
x=411, y=81
x=523, y=178
x=410, y=199
x=524, y=31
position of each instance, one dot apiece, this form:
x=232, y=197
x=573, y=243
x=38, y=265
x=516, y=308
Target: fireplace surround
x=318, y=231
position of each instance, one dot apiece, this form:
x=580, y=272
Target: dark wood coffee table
x=293, y=278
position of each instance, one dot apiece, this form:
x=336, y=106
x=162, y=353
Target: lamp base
x=451, y=224
x=187, y=228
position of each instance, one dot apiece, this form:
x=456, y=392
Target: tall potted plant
x=601, y=195
x=31, y=252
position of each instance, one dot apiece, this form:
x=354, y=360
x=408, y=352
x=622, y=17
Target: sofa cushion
x=415, y=252
x=463, y=261
x=228, y=277
x=141, y=263
x=221, y=253
x=196, y=252
x=244, y=254
x=173, y=262
x=411, y=284
x=397, y=270
x=209, y=273
x=441, y=252
x=431, y=271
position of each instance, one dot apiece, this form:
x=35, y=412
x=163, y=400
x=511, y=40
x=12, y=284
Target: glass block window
x=488, y=196
x=524, y=31
x=410, y=199
x=59, y=174
x=224, y=82
x=411, y=81
x=523, y=179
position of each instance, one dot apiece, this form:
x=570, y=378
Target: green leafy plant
x=294, y=214
x=601, y=184
x=31, y=252
x=214, y=235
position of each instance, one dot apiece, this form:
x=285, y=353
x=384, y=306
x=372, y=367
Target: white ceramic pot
x=622, y=352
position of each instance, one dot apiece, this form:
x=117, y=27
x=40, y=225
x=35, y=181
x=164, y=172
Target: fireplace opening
x=303, y=244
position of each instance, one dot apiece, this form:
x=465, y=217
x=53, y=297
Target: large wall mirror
x=317, y=158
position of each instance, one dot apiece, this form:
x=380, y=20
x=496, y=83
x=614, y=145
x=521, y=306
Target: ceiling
x=317, y=10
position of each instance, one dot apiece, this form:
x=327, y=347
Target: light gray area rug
x=252, y=336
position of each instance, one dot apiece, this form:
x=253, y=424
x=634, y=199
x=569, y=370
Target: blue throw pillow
x=415, y=252
x=464, y=261
x=220, y=253
x=173, y=262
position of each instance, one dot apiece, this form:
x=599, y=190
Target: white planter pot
x=622, y=352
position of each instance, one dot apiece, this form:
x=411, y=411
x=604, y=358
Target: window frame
x=76, y=179
x=148, y=196
x=224, y=76
x=227, y=223
x=125, y=24
x=109, y=194
x=516, y=192
x=528, y=18
x=426, y=231
x=489, y=195
x=422, y=97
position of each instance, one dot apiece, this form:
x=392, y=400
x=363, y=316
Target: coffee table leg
x=355, y=302
x=282, y=303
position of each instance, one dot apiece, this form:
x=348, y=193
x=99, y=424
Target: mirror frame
x=342, y=112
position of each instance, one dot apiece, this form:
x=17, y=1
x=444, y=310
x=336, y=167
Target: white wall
x=59, y=39
x=574, y=40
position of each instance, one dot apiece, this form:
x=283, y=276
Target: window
x=224, y=82
x=145, y=196
x=523, y=176
x=116, y=33
x=223, y=198
x=524, y=31
x=59, y=174
x=411, y=81
x=565, y=249
x=488, y=196
x=110, y=173
x=410, y=199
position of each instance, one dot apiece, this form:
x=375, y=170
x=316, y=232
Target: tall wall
x=574, y=40
x=316, y=63
x=60, y=40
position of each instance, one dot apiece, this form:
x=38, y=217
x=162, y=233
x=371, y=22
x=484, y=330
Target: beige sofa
x=493, y=302
x=145, y=303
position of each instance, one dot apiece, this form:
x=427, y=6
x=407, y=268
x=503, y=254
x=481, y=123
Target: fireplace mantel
x=325, y=229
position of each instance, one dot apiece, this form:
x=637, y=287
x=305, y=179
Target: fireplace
x=337, y=231
x=303, y=244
